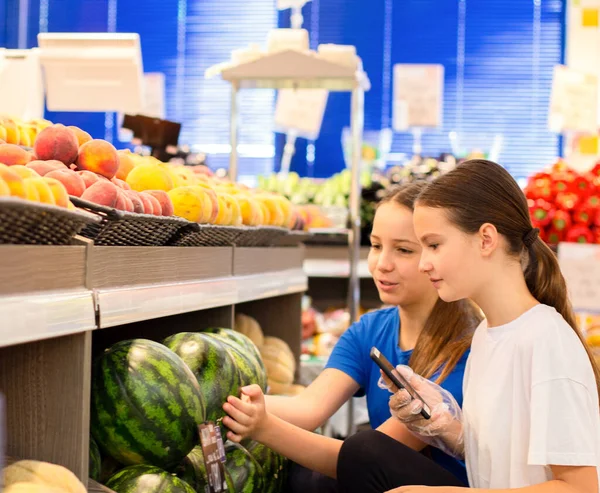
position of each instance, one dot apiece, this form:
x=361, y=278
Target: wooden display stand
x=60, y=306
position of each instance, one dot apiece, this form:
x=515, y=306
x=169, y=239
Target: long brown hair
x=478, y=192
x=449, y=328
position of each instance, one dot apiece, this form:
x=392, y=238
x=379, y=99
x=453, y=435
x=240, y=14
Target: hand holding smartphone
x=398, y=380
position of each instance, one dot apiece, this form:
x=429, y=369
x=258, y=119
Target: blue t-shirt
x=351, y=355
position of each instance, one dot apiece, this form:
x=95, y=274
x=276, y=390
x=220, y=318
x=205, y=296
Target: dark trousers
x=372, y=462
x=303, y=480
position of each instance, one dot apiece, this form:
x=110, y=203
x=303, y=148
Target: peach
x=138, y=205
x=103, y=192
x=4, y=190
x=3, y=133
x=13, y=180
x=61, y=197
x=44, y=192
x=27, y=135
x=81, y=135
x=150, y=176
x=42, y=168
x=121, y=203
x=24, y=171
x=166, y=206
x=11, y=154
x=31, y=192
x=100, y=157
x=128, y=203
x=12, y=131
x=73, y=182
x=126, y=164
x=187, y=203
x=56, y=142
x=121, y=184
x=40, y=124
x=156, y=207
x=88, y=177
x=250, y=210
x=211, y=201
x=148, y=204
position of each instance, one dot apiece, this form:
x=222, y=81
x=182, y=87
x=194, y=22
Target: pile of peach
x=67, y=161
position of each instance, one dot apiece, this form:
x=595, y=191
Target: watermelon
x=193, y=471
x=109, y=467
x=147, y=479
x=214, y=366
x=146, y=404
x=247, y=355
x=272, y=463
x=246, y=473
x=95, y=461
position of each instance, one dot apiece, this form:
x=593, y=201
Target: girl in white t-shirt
x=530, y=417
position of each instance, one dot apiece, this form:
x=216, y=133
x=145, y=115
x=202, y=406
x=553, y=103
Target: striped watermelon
x=193, y=471
x=146, y=404
x=274, y=465
x=213, y=365
x=248, y=358
x=95, y=461
x=246, y=473
x=147, y=479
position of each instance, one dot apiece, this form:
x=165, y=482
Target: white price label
x=418, y=96
x=580, y=265
x=301, y=110
x=573, y=101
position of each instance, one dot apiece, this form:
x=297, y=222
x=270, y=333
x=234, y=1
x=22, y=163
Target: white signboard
x=580, y=264
x=301, y=110
x=21, y=84
x=418, y=96
x=573, y=101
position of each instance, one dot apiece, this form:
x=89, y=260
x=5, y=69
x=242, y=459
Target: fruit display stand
x=62, y=305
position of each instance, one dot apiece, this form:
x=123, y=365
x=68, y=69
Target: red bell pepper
x=596, y=220
x=561, y=220
x=555, y=236
x=567, y=201
x=584, y=215
x=593, y=202
x=559, y=166
x=579, y=234
x=596, y=169
x=583, y=186
x=541, y=212
x=563, y=183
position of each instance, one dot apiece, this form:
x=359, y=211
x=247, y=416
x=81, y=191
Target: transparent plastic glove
x=443, y=429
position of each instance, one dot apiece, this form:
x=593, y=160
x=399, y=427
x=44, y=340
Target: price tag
x=573, y=101
x=301, y=110
x=580, y=265
x=214, y=457
x=418, y=96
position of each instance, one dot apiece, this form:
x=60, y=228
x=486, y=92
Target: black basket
x=261, y=236
x=292, y=239
x=210, y=235
x=30, y=223
x=121, y=228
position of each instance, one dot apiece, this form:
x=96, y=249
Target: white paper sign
x=418, y=96
x=21, y=84
x=573, y=101
x=580, y=264
x=154, y=95
x=301, y=110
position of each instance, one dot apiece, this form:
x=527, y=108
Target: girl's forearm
x=308, y=449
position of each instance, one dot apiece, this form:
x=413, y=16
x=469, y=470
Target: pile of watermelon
x=147, y=401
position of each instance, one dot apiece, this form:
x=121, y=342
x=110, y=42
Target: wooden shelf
x=54, y=300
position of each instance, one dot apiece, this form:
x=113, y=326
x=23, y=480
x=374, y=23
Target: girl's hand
x=444, y=428
x=247, y=416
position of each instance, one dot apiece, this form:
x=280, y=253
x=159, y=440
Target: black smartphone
x=398, y=380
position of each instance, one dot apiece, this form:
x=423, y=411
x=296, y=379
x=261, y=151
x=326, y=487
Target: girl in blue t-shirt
x=420, y=330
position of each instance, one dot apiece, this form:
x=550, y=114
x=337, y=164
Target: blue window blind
x=180, y=38
x=498, y=57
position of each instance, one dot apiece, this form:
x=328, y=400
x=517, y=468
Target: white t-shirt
x=530, y=401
